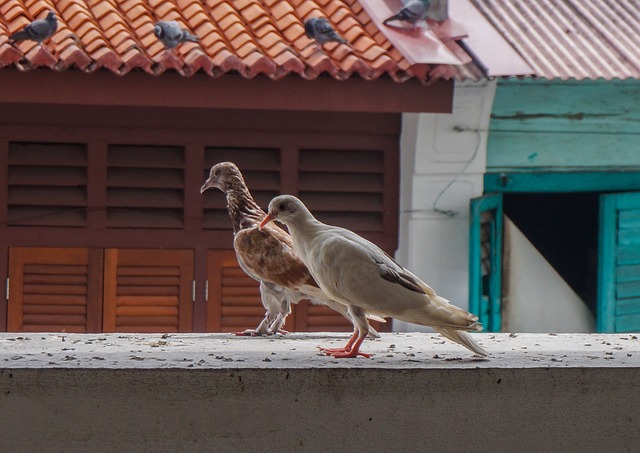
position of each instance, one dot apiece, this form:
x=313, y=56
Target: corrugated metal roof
x=564, y=39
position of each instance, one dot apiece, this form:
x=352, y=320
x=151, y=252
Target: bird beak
x=207, y=184
x=268, y=219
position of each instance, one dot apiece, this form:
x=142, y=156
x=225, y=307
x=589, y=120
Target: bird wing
x=323, y=26
x=269, y=256
x=40, y=28
x=357, y=272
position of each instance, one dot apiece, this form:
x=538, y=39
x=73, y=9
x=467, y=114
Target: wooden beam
x=597, y=181
x=230, y=91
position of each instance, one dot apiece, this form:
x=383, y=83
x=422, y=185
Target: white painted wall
x=537, y=298
x=442, y=152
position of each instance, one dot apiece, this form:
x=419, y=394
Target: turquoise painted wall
x=541, y=125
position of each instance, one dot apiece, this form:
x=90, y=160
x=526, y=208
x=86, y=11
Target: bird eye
x=281, y=207
x=216, y=173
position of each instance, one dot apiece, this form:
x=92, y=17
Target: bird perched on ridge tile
x=354, y=271
x=38, y=30
x=266, y=254
x=171, y=34
x=320, y=30
x=413, y=12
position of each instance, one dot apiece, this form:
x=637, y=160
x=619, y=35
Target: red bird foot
x=344, y=353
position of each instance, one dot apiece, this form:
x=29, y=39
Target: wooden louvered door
x=233, y=299
x=55, y=290
x=148, y=290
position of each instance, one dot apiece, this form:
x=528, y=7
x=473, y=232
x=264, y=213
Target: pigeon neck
x=303, y=226
x=243, y=209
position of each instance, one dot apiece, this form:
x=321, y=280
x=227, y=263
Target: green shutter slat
x=629, y=237
x=629, y=219
x=625, y=274
x=628, y=307
x=628, y=255
x=627, y=323
x=626, y=290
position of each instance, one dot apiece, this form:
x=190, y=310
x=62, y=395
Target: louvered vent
x=47, y=184
x=145, y=187
x=261, y=171
x=147, y=290
x=344, y=188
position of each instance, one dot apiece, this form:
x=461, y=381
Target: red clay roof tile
x=248, y=36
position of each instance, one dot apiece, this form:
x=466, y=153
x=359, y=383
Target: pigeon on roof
x=357, y=273
x=38, y=30
x=413, y=12
x=320, y=30
x=171, y=34
x=266, y=254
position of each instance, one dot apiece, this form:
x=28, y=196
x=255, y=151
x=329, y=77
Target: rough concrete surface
x=217, y=392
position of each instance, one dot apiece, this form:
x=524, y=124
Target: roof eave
x=72, y=87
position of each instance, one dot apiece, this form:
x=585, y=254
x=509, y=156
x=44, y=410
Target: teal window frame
x=606, y=183
x=485, y=294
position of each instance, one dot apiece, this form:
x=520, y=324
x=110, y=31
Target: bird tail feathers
x=462, y=338
x=19, y=36
x=188, y=36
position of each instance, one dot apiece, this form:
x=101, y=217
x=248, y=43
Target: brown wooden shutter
x=145, y=186
x=344, y=187
x=234, y=302
x=47, y=184
x=55, y=289
x=148, y=290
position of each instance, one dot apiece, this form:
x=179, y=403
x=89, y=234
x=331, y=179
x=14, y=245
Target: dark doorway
x=564, y=228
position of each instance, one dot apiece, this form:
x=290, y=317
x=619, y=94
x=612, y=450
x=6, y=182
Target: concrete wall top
x=300, y=351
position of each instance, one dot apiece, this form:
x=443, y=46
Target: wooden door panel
x=148, y=290
x=55, y=289
x=233, y=297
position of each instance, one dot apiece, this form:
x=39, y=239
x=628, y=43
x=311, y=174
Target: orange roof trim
x=249, y=37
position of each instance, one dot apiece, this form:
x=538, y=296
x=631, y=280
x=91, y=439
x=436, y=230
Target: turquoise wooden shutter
x=619, y=263
x=485, y=260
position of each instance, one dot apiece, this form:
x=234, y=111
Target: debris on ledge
x=300, y=350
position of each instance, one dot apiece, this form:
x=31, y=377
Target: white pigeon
x=357, y=273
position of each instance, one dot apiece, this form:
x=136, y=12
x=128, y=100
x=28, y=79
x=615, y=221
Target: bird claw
x=348, y=354
x=344, y=353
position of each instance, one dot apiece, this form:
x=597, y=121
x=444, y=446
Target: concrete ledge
x=214, y=392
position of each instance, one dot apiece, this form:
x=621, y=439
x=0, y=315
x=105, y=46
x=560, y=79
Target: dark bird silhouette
x=171, y=34
x=320, y=30
x=38, y=30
